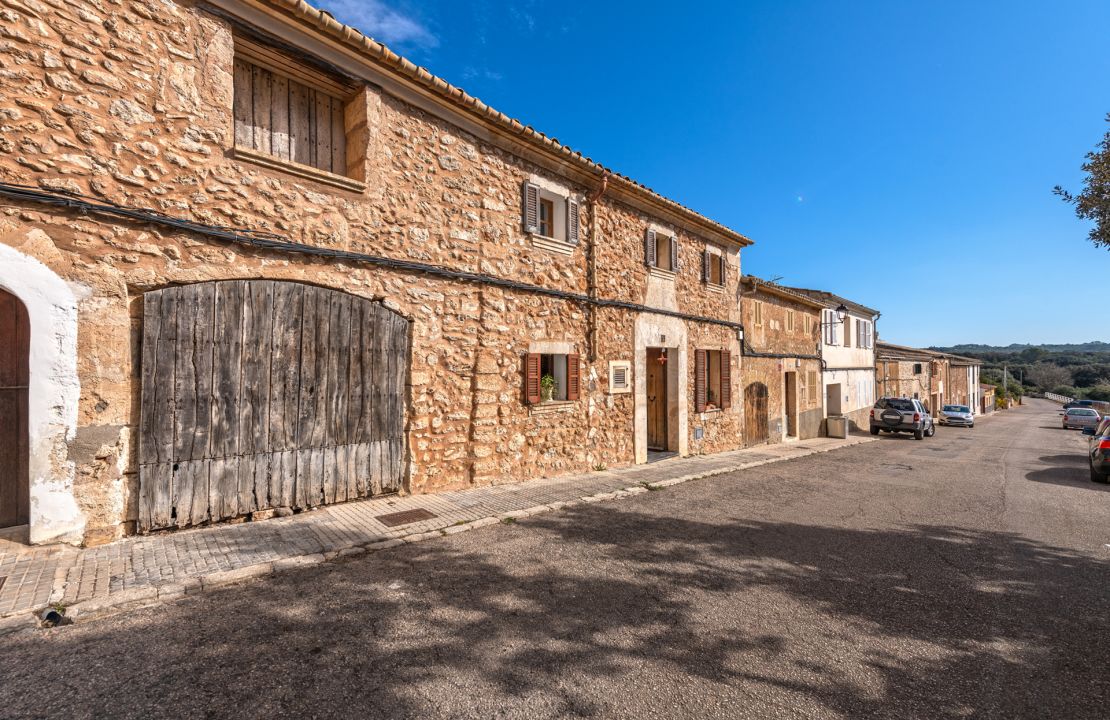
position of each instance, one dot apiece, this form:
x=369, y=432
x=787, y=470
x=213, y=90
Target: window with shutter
x=531, y=208
x=660, y=251
x=789, y=321
x=550, y=216
x=649, y=248
x=552, y=377
x=288, y=112
x=757, y=312
x=726, y=379
x=713, y=267
x=699, y=380
x=811, y=381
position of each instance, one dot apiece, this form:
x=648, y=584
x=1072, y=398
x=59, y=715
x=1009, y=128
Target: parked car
x=1080, y=418
x=958, y=415
x=1098, y=450
x=895, y=415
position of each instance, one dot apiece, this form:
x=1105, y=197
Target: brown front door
x=791, y=404
x=755, y=414
x=15, y=343
x=656, y=400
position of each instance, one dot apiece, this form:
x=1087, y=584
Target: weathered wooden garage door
x=260, y=394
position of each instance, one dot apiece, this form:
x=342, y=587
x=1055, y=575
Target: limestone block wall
x=131, y=102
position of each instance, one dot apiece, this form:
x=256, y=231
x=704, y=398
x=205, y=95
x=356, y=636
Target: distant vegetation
x=1079, y=370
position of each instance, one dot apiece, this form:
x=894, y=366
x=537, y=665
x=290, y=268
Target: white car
x=957, y=415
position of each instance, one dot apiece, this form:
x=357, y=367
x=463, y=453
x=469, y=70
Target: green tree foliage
x=1101, y=392
x=1093, y=202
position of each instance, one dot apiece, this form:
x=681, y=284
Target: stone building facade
x=781, y=369
x=156, y=145
x=908, y=372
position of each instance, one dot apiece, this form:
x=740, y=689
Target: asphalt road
x=966, y=575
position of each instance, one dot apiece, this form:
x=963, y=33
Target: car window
x=956, y=408
x=896, y=403
x=1082, y=411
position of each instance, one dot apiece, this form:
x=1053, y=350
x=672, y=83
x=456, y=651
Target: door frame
x=53, y=391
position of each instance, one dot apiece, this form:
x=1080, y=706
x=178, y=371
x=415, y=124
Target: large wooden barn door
x=755, y=414
x=259, y=394
x=15, y=340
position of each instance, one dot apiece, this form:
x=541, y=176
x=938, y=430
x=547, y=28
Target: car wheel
x=874, y=431
x=1096, y=476
x=918, y=434
x=931, y=431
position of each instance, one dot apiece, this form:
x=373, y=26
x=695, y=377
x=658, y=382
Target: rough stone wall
x=897, y=378
x=772, y=337
x=132, y=102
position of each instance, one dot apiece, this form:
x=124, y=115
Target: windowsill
x=661, y=273
x=552, y=406
x=559, y=247
x=295, y=168
x=715, y=287
x=621, y=391
x=710, y=411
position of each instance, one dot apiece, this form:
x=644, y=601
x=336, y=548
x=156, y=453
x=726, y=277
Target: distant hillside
x=1095, y=346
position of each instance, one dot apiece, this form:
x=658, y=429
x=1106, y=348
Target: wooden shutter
x=649, y=249
x=811, y=381
x=531, y=210
x=574, y=377
x=726, y=379
x=721, y=260
x=699, y=381
x=532, y=378
x=706, y=258
x=572, y=221
x=674, y=254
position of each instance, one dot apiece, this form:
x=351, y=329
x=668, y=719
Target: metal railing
x=1062, y=399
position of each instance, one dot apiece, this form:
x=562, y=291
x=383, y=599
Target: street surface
x=966, y=575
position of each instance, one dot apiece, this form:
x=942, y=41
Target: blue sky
x=901, y=154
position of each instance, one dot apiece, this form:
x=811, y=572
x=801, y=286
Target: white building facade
x=848, y=354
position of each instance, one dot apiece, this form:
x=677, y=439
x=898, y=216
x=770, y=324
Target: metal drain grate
x=405, y=517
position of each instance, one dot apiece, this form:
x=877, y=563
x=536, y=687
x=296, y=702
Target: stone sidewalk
x=145, y=569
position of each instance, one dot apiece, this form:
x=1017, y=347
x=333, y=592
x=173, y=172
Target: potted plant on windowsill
x=547, y=387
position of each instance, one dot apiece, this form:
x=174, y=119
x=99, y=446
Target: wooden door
x=756, y=430
x=15, y=344
x=656, y=400
x=791, y=396
x=260, y=394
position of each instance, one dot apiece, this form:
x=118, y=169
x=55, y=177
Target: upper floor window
x=660, y=250
x=757, y=313
x=807, y=324
x=831, y=323
x=550, y=215
x=863, y=334
x=790, y=321
x=713, y=266
x=288, y=112
x=917, y=368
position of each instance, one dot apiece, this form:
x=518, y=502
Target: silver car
x=957, y=415
x=1080, y=418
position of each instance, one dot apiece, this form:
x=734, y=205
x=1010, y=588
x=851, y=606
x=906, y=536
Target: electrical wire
x=277, y=243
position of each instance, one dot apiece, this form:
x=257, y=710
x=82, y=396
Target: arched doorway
x=755, y=414
x=15, y=344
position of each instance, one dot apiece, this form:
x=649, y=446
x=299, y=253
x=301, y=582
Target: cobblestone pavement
x=173, y=563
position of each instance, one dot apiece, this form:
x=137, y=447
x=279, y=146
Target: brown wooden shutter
x=674, y=254
x=721, y=259
x=531, y=208
x=572, y=221
x=699, y=381
x=649, y=249
x=726, y=379
x=574, y=377
x=532, y=378
x=706, y=258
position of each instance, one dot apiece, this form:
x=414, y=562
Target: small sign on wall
x=699, y=433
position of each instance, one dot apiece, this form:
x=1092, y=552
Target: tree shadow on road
x=589, y=611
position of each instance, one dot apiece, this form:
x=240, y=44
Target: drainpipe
x=591, y=264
